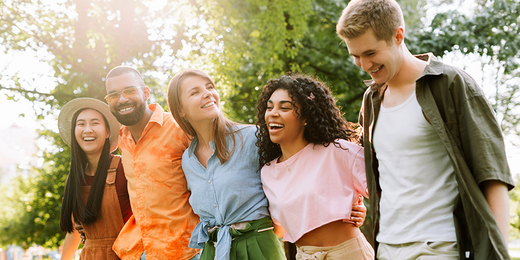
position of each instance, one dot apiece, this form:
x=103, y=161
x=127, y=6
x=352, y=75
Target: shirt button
x=215, y=205
x=209, y=181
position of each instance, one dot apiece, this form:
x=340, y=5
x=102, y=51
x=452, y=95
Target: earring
x=305, y=123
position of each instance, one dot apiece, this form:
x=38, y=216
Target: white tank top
x=416, y=177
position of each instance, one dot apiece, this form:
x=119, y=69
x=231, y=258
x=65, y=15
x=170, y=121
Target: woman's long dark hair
x=314, y=103
x=73, y=205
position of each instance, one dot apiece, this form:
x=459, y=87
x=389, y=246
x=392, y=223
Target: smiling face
x=285, y=126
x=376, y=57
x=199, y=100
x=127, y=110
x=91, y=131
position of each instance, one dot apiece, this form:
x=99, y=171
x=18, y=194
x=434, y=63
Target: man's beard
x=132, y=118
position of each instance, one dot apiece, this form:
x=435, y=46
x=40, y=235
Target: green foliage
x=252, y=41
x=31, y=207
x=241, y=43
x=491, y=32
x=85, y=39
x=507, y=100
x=261, y=40
x=326, y=56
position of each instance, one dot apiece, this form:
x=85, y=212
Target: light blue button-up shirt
x=223, y=194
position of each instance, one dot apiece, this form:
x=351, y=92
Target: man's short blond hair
x=383, y=16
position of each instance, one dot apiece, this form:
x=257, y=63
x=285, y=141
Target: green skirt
x=248, y=243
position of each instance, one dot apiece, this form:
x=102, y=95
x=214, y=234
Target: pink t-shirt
x=314, y=187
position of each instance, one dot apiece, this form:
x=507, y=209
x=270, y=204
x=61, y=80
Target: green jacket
x=458, y=110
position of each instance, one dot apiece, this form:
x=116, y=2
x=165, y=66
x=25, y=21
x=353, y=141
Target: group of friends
x=191, y=184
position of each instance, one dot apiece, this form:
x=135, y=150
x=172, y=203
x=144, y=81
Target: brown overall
x=102, y=233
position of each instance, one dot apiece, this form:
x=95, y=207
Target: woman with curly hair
x=313, y=168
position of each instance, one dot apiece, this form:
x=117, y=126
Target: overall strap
x=112, y=170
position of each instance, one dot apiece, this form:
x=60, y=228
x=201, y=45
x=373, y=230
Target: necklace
x=288, y=164
x=297, y=155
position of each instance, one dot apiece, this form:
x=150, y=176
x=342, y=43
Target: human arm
x=498, y=200
x=482, y=144
x=70, y=245
x=359, y=211
x=278, y=229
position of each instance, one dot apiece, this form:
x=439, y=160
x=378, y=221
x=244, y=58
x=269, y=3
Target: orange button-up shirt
x=163, y=219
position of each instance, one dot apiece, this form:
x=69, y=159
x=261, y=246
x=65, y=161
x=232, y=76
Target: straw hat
x=67, y=112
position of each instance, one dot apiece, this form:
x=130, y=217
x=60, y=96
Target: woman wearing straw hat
x=96, y=190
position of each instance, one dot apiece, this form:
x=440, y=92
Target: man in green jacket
x=435, y=159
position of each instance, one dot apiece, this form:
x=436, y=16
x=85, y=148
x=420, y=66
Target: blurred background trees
x=241, y=43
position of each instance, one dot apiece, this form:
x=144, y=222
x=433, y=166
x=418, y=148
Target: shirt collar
x=158, y=114
x=434, y=66
x=157, y=117
x=193, y=144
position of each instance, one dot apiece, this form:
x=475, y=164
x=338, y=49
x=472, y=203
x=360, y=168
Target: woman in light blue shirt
x=222, y=170
x=223, y=174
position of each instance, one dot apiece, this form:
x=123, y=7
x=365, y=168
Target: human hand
x=79, y=228
x=359, y=212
